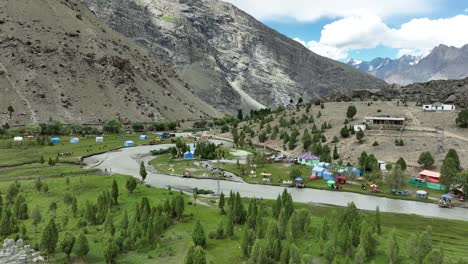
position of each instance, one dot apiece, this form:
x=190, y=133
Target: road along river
x=127, y=161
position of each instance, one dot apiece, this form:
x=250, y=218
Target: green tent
x=330, y=184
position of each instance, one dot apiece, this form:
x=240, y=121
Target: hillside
x=443, y=63
x=446, y=91
x=58, y=61
x=420, y=133
x=232, y=60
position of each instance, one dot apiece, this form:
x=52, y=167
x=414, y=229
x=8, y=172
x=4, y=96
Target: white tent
x=99, y=139
x=18, y=139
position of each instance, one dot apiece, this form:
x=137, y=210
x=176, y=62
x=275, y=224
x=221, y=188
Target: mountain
x=58, y=61
x=443, y=63
x=231, y=60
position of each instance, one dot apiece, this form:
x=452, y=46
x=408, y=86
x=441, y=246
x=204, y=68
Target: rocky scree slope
x=58, y=61
x=232, y=60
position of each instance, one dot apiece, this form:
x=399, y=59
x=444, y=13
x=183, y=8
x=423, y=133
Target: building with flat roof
x=385, y=122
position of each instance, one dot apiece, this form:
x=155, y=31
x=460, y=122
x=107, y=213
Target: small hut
x=74, y=140
x=99, y=139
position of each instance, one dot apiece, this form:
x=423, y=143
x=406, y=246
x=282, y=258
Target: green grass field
x=452, y=236
x=18, y=153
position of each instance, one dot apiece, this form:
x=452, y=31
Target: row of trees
x=277, y=235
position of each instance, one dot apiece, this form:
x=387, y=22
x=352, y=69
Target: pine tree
x=41, y=160
x=198, y=235
x=115, y=192
x=335, y=153
x=124, y=222
x=294, y=254
x=277, y=207
x=195, y=255
x=378, y=226
x=329, y=251
x=111, y=251
x=230, y=225
x=131, y=184
x=220, y=230
x=393, y=250
x=74, y=206
x=36, y=217
x=426, y=160
x=402, y=163
x=67, y=244
x=109, y=225
x=143, y=172
x=82, y=247
x=367, y=240
x=38, y=184
x=245, y=245
x=252, y=213
x=49, y=238
x=360, y=257
x=360, y=136
x=434, y=257
x=351, y=112
x=452, y=153
x=221, y=203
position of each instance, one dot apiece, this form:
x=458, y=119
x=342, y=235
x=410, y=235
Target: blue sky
x=365, y=29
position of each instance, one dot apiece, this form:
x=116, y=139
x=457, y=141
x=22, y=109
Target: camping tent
x=74, y=140
x=421, y=194
x=308, y=159
x=129, y=143
x=313, y=177
x=318, y=171
x=18, y=139
x=188, y=155
x=354, y=170
x=99, y=139
x=143, y=137
x=330, y=184
x=327, y=175
x=324, y=165
x=55, y=140
x=298, y=179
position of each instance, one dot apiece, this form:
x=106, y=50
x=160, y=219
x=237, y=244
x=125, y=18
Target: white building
x=439, y=107
x=360, y=127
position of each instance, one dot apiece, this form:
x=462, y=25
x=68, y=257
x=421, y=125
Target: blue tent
x=318, y=171
x=325, y=165
x=298, y=179
x=188, y=155
x=327, y=175
x=55, y=140
x=354, y=170
x=143, y=137
x=129, y=143
x=447, y=196
x=74, y=140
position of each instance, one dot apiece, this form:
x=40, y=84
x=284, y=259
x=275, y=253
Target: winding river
x=126, y=161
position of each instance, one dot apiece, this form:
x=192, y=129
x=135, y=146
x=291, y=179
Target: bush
x=375, y=144
x=462, y=119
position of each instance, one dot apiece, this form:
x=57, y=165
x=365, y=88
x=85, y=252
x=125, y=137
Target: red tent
x=341, y=179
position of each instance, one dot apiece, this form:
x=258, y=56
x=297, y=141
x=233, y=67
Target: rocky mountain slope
x=58, y=61
x=445, y=91
x=232, y=60
x=443, y=63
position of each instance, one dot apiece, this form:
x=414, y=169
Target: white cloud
x=324, y=50
x=416, y=37
x=466, y=10
x=310, y=10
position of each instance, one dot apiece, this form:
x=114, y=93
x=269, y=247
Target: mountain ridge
x=442, y=63
x=60, y=62
x=213, y=44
